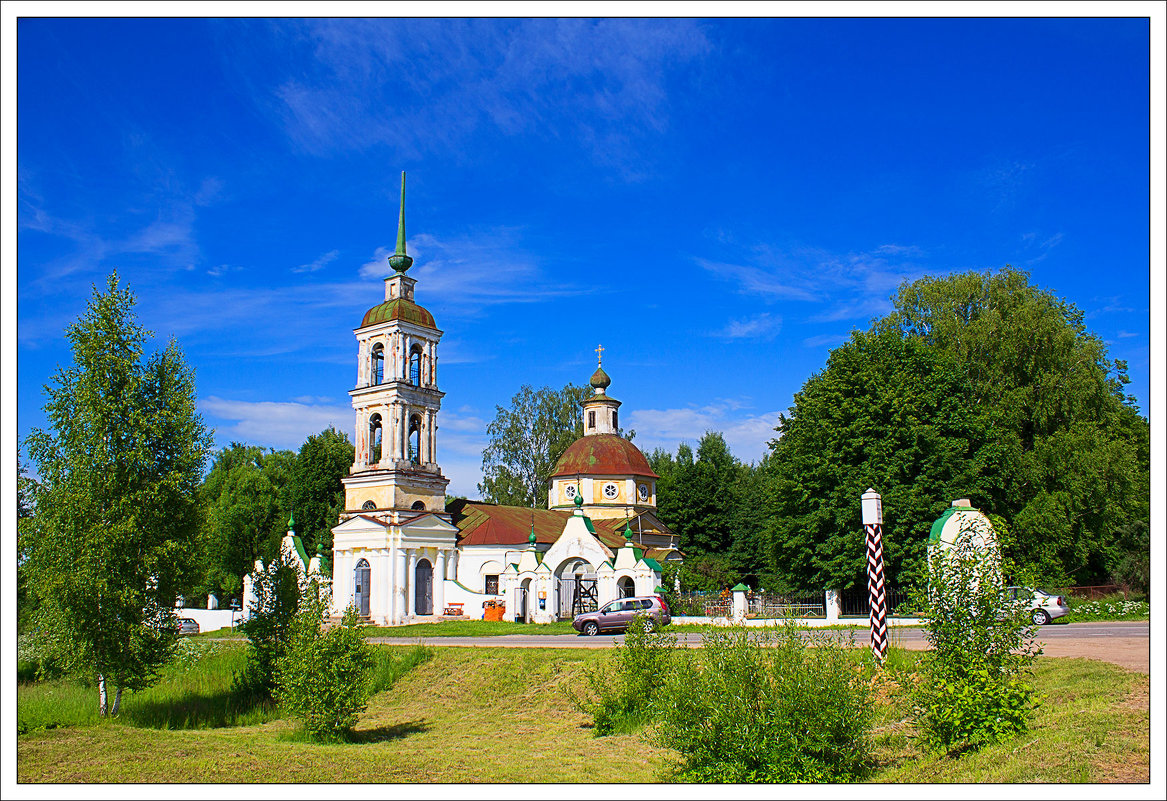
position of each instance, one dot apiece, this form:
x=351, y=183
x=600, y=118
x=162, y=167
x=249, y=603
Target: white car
x=1043, y=606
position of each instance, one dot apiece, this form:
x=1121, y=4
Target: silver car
x=617, y=615
x=1043, y=606
x=186, y=625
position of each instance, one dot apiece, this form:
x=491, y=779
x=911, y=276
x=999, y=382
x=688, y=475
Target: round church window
x=569, y=491
x=611, y=491
x=642, y=491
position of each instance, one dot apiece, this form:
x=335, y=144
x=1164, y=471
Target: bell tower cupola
x=599, y=410
x=396, y=401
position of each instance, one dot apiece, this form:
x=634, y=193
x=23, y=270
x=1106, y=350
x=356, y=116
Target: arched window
x=377, y=364
x=418, y=506
x=374, y=439
x=368, y=506
x=415, y=365
x=415, y=439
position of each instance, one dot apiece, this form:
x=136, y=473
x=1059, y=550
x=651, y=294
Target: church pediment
x=576, y=542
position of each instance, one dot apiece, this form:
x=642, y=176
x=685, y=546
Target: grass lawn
x=502, y=715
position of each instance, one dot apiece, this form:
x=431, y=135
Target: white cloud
x=320, y=262
x=468, y=272
x=854, y=285
x=272, y=424
x=599, y=83
x=824, y=339
x=747, y=435
x=761, y=326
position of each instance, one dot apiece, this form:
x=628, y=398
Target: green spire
x=292, y=521
x=531, y=539
x=399, y=261
x=627, y=533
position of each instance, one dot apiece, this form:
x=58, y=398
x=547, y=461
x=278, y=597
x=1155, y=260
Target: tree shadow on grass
x=382, y=734
x=195, y=710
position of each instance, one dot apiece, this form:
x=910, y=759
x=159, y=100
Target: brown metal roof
x=602, y=455
x=481, y=523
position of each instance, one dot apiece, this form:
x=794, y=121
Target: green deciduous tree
x=245, y=513
x=317, y=495
x=886, y=412
x=977, y=386
x=526, y=440
x=1075, y=457
x=115, y=533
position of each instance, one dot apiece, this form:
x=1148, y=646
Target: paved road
x=1069, y=634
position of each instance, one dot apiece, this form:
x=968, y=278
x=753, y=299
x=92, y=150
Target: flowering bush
x=1109, y=610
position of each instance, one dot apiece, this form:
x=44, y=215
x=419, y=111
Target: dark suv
x=617, y=615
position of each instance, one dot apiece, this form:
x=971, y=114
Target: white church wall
x=211, y=619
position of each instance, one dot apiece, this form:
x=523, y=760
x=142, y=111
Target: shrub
x=974, y=687
x=764, y=706
x=277, y=599
x=619, y=692
x=322, y=677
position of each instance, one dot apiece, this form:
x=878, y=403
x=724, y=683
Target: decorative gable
x=577, y=542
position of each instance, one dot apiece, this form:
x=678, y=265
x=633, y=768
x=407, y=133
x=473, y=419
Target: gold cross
x=600, y=355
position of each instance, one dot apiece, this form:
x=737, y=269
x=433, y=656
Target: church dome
x=600, y=379
x=399, y=309
x=602, y=455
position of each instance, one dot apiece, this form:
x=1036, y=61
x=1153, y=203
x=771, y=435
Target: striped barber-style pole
x=876, y=591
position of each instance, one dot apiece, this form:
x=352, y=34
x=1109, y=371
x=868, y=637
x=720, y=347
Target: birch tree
x=115, y=529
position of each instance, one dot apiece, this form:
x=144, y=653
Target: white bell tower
x=396, y=400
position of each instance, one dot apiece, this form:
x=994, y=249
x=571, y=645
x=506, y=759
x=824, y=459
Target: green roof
x=399, y=309
x=300, y=550
x=740, y=588
x=655, y=565
x=938, y=526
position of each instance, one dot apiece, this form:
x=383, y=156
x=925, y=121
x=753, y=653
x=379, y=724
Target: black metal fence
x=758, y=605
x=857, y=602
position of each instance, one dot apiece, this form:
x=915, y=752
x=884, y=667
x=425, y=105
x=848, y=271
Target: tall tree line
x=250, y=494
x=977, y=385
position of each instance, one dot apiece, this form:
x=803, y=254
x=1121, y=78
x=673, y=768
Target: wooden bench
x=453, y=610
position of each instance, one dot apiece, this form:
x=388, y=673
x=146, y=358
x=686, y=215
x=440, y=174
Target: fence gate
x=577, y=594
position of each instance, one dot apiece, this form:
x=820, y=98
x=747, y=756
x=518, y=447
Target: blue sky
x=717, y=202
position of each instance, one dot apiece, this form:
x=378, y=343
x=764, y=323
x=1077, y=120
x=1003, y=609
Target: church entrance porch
x=576, y=590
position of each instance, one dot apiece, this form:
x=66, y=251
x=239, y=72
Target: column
x=361, y=457
x=400, y=590
x=396, y=407
x=388, y=562
x=361, y=363
x=411, y=579
x=440, y=583
x=434, y=437
x=424, y=440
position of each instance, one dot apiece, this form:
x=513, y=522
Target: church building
x=400, y=554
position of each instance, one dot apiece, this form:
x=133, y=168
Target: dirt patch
x=1133, y=653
